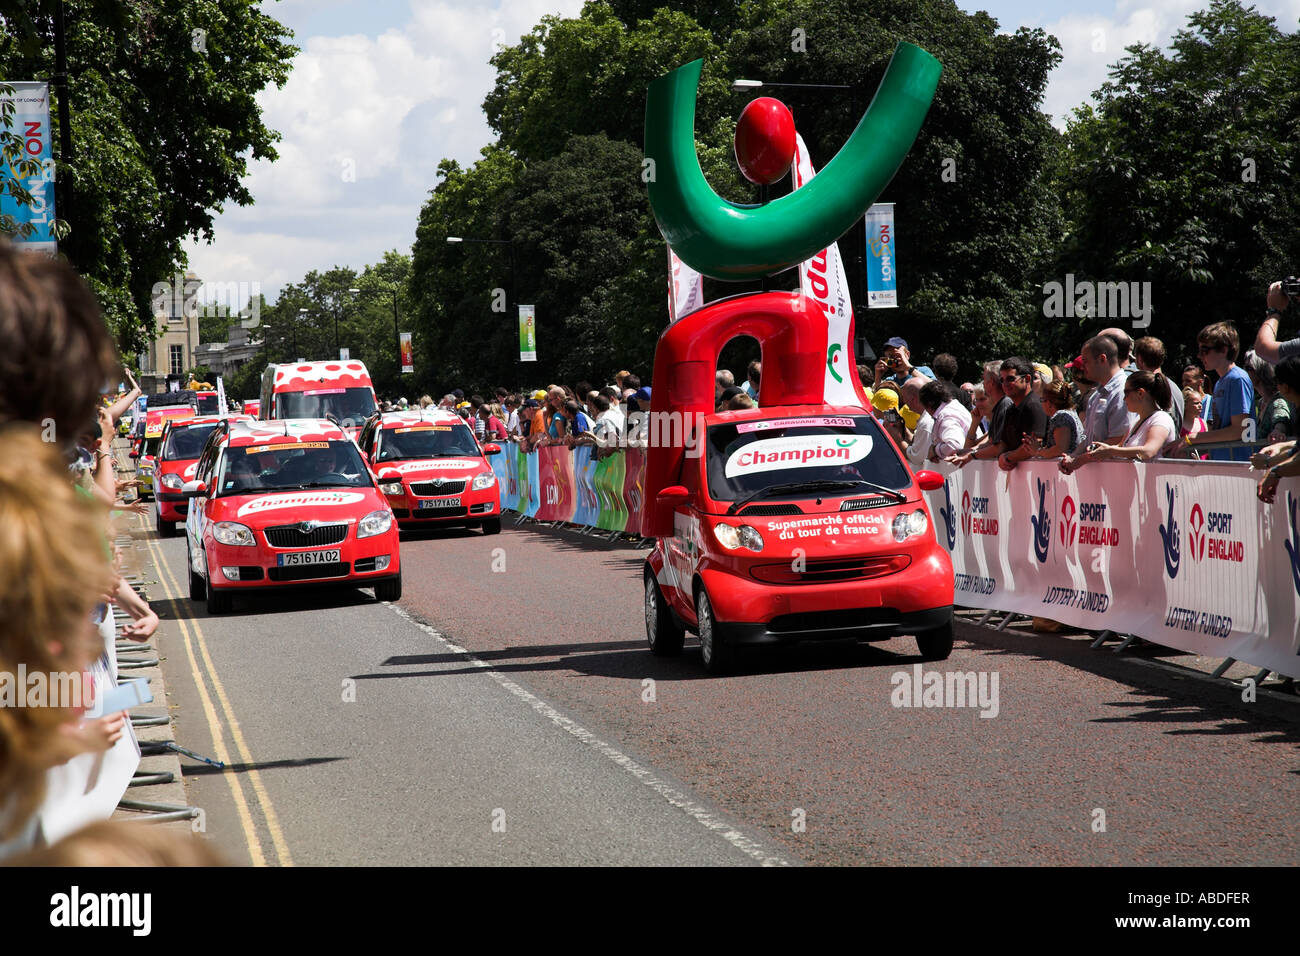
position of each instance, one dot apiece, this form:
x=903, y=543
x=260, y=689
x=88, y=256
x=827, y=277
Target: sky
x=382, y=90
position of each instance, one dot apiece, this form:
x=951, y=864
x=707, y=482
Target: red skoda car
x=288, y=502
x=178, y=454
x=432, y=469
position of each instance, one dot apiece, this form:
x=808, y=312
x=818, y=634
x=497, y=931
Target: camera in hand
x=1291, y=286
x=895, y=362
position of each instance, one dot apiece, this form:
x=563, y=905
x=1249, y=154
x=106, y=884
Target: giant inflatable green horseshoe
x=729, y=241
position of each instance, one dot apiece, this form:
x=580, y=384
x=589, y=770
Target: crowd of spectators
x=60, y=404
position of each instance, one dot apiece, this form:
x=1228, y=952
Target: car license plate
x=307, y=557
x=436, y=503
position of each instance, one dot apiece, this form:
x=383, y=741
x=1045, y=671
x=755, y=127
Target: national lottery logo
x=1042, y=524
x=965, y=512
x=1169, y=536
x=949, y=518
x=1196, y=535
x=1069, y=526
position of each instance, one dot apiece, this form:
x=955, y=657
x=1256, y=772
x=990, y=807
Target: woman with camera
x=1267, y=346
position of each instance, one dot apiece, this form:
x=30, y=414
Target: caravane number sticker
x=819, y=421
x=300, y=500
x=285, y=446
x=804, y=451
x=423, y=428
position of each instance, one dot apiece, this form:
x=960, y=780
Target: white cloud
x=365, y=121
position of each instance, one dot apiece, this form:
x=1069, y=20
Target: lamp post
x=397, y=335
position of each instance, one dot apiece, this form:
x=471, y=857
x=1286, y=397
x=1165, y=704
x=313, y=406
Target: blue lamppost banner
x=882, y=266
x=30, y=124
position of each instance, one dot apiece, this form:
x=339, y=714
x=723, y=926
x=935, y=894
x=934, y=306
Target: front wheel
x=166, y=529
x=936, y=645
x=390, y=590
x=492, y=526
x=197, y=590
x=719, y=656
x=664, y=635
x=219, y=602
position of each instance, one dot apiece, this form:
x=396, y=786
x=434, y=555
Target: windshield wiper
x=820, y=485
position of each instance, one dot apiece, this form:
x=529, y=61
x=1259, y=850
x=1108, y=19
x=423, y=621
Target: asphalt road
x=512, y=685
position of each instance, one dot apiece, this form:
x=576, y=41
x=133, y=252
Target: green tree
x=164, y=123
x=1182, y=174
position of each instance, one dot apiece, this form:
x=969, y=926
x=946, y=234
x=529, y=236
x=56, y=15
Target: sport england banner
x=823, y=279
x=685, y=288
x=30, y=124
x=882, y=267
x=407, y=351
x=527, y=333
x=1183, y=555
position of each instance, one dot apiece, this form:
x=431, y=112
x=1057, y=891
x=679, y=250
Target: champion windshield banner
x=882, y=267
x=30, y=123
x=1183, y=555
x=822, y=279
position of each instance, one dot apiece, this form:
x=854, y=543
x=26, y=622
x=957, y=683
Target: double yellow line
x=192, y=634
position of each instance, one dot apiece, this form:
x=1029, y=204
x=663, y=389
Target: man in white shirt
x=918, y=443
x=951, y=419
x=615, y=415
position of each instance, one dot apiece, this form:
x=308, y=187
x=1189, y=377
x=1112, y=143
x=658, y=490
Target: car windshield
x=291, y=465
x=353, y=405
x=748, y=457
x=186, y=443
x=427, y=441
x=150, y=446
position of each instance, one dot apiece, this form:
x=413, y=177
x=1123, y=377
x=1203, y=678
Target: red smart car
x=793, y=521
x=287, y=503
x=432, y=469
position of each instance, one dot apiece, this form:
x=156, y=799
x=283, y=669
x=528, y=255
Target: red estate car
x=432, y=469
x=289, y=502
x=178, y=454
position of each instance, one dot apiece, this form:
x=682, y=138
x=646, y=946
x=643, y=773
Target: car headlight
x=232, y=532
x=172, y=481
x=485, y=480
x=391, y=487
x=907, y=525
x=377, y=522
x=733, y=538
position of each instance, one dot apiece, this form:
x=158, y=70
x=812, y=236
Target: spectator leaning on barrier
x=1123, y=349
x=979, y=424
x=1267, y=344
x=1274, y=416
x=1147, y=397
x=1149, y=352
x=1064, y=430
x=1027, y=420
x=951, y=419
x=615, y=414
x=1106, y=418
x=1282, y=459
x=1234, y=397
x=945, y=370
x=989, y=445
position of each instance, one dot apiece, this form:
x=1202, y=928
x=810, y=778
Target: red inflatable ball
x=765, y=140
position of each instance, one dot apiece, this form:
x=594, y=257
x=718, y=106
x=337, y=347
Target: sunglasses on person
x=1013, y=378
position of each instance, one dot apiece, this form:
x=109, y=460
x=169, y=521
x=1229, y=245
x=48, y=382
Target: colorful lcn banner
x=30, y=122
x=882, y=266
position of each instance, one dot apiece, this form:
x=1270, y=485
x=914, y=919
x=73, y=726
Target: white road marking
x=707, y=819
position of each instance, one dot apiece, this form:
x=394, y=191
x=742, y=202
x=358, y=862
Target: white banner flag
x=822, y=279
x=685, y=288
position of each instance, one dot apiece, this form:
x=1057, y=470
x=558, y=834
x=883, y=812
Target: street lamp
x=397, y=335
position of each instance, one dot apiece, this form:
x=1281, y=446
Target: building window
x=177, y=353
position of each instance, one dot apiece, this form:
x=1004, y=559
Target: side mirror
x=929, y=480
x=491, y=448
x=674, y=495
x=134, y=453
x=194, y=489
x=390, y=474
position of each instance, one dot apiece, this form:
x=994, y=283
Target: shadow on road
x=203, y=769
